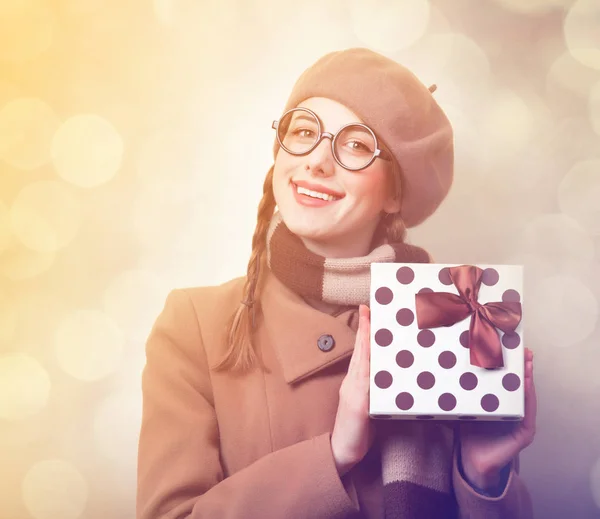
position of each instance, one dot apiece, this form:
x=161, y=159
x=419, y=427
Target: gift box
x=446, y=342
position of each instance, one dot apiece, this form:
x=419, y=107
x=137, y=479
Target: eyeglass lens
x=298, y=132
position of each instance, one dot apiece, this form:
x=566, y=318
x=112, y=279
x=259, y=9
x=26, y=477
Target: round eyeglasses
x=354, y=146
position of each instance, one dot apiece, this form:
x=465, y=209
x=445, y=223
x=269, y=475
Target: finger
x=528, y=354
x=365, y=359
x=530, y=399
x=356, y=353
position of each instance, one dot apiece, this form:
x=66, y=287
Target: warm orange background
x=134, y=138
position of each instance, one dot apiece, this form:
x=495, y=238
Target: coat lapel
x=294, y=329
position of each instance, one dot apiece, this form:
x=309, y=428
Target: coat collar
x=294, y=328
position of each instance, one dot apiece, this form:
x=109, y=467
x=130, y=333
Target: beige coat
x=257, y=446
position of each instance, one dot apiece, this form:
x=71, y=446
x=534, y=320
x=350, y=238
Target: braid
x=240, y=354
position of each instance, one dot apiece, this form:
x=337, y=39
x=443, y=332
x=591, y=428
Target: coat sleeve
x=179, y=471
x=513, y=503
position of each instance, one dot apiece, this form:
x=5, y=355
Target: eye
x=303, y=132
x=356, y=145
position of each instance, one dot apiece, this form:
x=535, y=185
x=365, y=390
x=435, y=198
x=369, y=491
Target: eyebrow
x=304, y=118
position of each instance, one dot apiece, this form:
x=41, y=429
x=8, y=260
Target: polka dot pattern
x=511, y=296
x=424, y=367
x=405, y=401
x=490, y=277
x=447, y=360
x=383, y=379
x=468, y=381
x=384, y=337
x=447, y=402
x=405, y=317
x=511, y=382
x=426, y=380
x=405, y=275
x=384, y=296
x=444, y=276
x=511, y=340
x=490, y=403
x=426, y=338
x=405, y=359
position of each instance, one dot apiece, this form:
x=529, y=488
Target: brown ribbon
x=435, y=309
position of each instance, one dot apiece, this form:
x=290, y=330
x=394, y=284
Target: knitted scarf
x=416, y=457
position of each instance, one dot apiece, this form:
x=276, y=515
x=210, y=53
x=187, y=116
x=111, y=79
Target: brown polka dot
x=511, y=296
x=383, y=379
x=383, y=337
x=464, y=338
x=405, y=275
x=426, y=380
x=447, y=402
x=425, y=417
x=511, y=340
x=467, y=417
x=384, y=296
x=405, y=401
x=511, y=382
x=405, y=359
x=468, y=381
x=405, y=317
x=426, y=338
x=447, y=359
x=444, y=276
x=490, y=277
x=490, y=403
x=425, y=290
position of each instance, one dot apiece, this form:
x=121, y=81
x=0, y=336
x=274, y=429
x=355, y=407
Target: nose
x=320, y=161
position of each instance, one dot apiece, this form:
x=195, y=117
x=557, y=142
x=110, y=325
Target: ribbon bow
x=435, y=309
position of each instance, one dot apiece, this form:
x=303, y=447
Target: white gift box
x=428, y=373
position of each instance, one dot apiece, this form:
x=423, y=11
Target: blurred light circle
x=119, y=444
x=560, y=241
x=594, y=107
x=19, y=262
x=134, y=300
x=508, y=124
x=8, y=317
x=569, y=74
x=46, y=216
x=582, y=32
x=54, y=489
x=27, y=126
x=87, y=150
x=389, y=25
x=5, y=234
x=563, y=311
x=24, y=386
x=595, y=482
x=533, y=6
x=8, y=92
x=26, y=29
x=579, y=195
x=89, y=345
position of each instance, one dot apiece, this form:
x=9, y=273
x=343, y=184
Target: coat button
x=326, y=342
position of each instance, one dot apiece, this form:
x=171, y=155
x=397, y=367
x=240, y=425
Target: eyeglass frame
x=322, y=135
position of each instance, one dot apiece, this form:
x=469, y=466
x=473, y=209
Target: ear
x=392, y=205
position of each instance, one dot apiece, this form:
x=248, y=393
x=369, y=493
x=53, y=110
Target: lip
x=318, y=188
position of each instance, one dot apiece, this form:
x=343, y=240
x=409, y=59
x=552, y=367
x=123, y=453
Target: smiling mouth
x=315, y=194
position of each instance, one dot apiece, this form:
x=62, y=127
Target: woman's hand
x=487, y=447
x=354, y=432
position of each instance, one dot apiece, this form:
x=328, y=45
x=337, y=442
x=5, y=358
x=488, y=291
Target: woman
x=256, y=391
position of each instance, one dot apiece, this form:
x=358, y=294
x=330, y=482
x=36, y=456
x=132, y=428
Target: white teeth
x=316, y=194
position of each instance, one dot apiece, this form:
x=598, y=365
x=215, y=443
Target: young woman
x=256, y=392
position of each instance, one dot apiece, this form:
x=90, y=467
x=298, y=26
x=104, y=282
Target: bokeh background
x=134, y=139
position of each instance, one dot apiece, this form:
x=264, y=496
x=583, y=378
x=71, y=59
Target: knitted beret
x=400, y=110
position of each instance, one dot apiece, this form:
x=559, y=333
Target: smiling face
x=334, y=211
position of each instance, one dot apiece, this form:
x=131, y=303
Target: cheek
x=371, y=187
